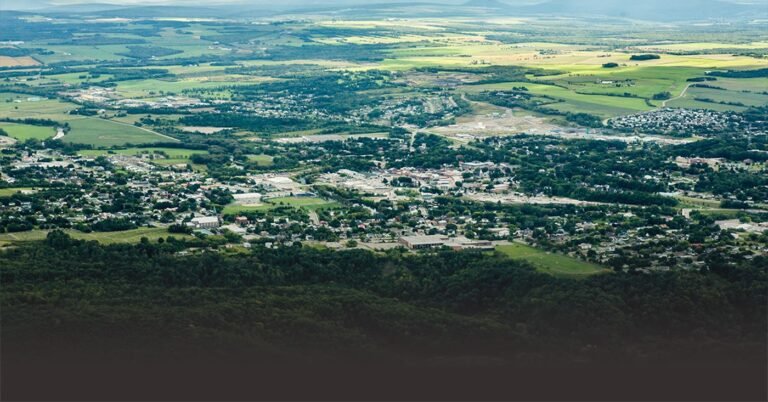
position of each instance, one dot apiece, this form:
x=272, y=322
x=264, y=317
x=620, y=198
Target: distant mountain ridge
x=659, y=10
x=650, y=10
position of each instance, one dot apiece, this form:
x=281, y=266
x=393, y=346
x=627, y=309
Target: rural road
x=664, y=103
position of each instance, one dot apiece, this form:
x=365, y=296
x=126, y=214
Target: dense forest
x=304, y=303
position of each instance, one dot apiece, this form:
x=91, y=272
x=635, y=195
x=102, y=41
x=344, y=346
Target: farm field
x=128, y=236
x=106, y=133
x=24, y=132
x=21, y=106
x=158, y=87
x=720, y=99
x=694, y=46
x=261, y=160
x=25, y=61
x=605, y=106
x=555, y=264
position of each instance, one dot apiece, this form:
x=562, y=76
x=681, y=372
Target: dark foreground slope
x=84, y=321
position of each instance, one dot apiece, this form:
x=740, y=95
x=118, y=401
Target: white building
x=205, y=222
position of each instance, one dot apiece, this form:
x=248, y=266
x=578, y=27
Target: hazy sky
x=37, y=4
x=323, y=2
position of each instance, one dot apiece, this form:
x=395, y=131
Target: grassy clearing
x=173, y=153
x=726, y=96
x=80, y=52
x=21, y=106
x=310, y=203
x=602, y=105
x=555, y=264
x=106, y=133
x=128, y=236
x=7, y=192
x=261, y=160
x=24, y=132
x=692, y=202
x=695, y=46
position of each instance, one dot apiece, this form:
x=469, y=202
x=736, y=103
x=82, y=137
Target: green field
x=106, y=133
x=24, y=132
x=692, y=96
x=20, y=106
x=555, y=264
x=261, y=160
x=174, y=156
x=310, y=203
x=601, y=105
x=7, y=192
x=173, y=153
x=691, y=202
x=303, y=202
x=128, y=236
x=83, y=130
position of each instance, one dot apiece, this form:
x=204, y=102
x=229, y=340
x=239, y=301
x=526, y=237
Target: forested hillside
x=303, y=302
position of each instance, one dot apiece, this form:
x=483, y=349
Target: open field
x=693, y=202
x=310, y=203
x=106, y=133
x=731, y=100
x=555, y=264
x=7, y=192
x=606, y=106
x=24, y=61
x=128, y=236
x=157, y=87
x=173, y=153
x=551, y=56
x=24, y=132
x=261, y=160
x=21, y=106
x=696, y=46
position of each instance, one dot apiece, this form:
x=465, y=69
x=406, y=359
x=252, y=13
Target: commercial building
x=205, y=222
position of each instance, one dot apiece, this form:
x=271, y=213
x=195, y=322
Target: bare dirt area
x=515, y=198
x=493, y=121
x=203, y=130
x=26, y=61
x=6, y=141
x=439, y=79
